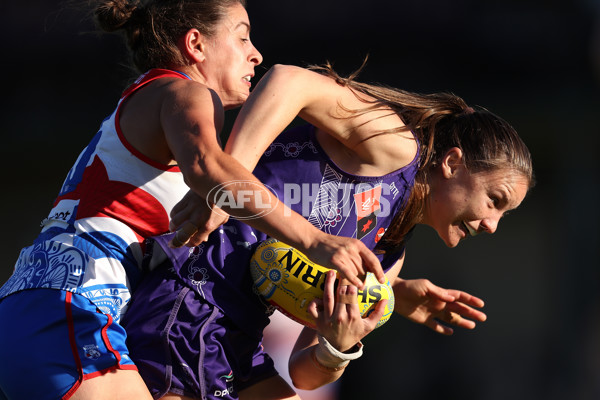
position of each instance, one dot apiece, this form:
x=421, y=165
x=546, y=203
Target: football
x=288, y=280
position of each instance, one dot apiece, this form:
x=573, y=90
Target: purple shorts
x=185, y=346
x=51, y=340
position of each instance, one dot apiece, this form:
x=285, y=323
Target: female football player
x=371, y=163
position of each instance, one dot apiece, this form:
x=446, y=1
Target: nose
x=490, y=225
x=255, y=57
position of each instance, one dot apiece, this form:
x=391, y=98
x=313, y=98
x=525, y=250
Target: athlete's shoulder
x=184, y=94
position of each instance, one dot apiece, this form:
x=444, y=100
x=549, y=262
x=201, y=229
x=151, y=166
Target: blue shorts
x=186, y=346
x=52, y=340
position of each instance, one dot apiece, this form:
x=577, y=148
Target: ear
x=194, y=46
x=452, y=162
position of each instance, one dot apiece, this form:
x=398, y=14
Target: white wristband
x=330, y=357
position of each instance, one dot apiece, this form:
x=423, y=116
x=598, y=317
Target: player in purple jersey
x=473, y=168
x=195, y=324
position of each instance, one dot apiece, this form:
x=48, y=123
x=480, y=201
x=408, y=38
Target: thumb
x=313, y=308
x=377, y=312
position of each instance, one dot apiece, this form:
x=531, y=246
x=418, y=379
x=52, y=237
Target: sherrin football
x=288, y=280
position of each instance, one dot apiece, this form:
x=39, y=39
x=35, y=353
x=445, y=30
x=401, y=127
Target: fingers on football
x=377, y=313
x=347, y=302
x=347, y=295
x=315, y=308
x=349, y=266
x=329, y=292
x=372, y=264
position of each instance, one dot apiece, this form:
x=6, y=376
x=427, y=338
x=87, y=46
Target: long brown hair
x=439, y=121
x=153, y=27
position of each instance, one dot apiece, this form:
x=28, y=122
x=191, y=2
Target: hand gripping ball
x=288, y=280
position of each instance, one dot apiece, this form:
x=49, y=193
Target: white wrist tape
x=330, y=357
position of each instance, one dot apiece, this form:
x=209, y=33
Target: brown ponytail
x=440, y=121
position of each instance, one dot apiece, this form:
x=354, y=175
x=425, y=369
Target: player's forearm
x=306, y=372
x=223, y=182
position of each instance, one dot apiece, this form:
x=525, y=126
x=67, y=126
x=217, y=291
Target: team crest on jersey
x=367, y=205
x=91, y=351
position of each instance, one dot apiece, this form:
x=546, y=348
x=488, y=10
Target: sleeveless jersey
x=302, y=175
x=112, y=199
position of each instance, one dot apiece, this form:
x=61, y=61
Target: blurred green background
x=534, y=62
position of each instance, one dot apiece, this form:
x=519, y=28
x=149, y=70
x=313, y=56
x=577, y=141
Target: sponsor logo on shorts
x=91, y=351
x=228, y=382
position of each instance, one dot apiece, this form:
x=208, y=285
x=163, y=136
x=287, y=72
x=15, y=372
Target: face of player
x=231, y=58
x=461, y=204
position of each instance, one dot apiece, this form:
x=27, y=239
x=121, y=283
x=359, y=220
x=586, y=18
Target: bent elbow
x=299, y=384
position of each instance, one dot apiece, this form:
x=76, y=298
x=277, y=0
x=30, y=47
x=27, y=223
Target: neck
x=193, y=73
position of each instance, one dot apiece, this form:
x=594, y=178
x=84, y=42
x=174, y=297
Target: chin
x=235, y=99
x=452, y=245
x=448, y=238
x=450, y=242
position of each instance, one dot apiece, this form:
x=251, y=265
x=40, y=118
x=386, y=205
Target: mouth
x=247, y=79
x=469, y=229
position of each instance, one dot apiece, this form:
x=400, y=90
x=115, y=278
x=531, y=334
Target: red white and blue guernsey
x=113, y=198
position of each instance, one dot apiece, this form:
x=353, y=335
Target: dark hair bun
x=112, y=15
